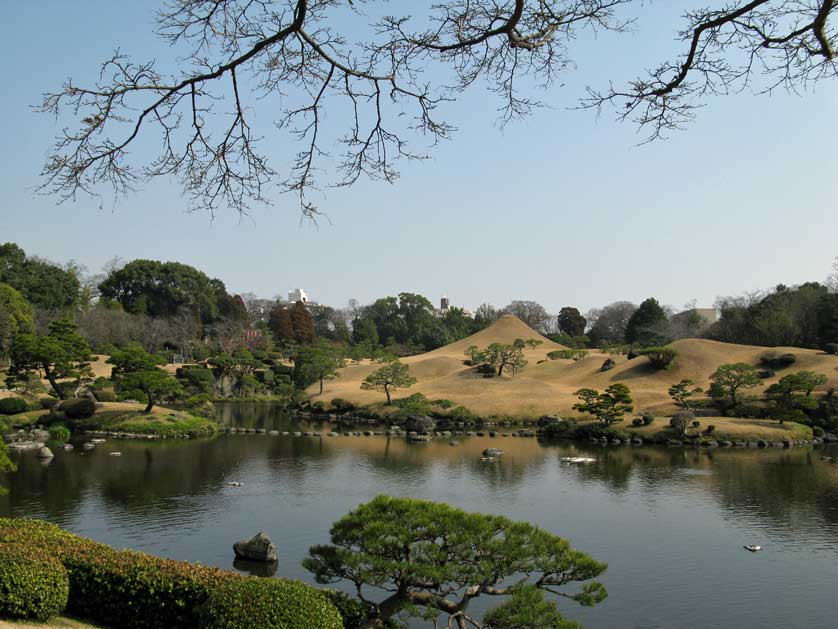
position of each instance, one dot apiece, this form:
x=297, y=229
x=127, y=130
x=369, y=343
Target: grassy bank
x=724, y=429
x=729, y=429
x=123, y=417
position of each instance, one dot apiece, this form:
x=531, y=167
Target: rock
x=68, y=447
x=45, y=453
x=115, y=453
x=453, y=443
x=674, y=442
x=727, y=444
x=88, y=445
x=418, y=438
x=608, y=365
x=638, y=441
x=492, y=452
x=273, y=433
x=257, y=548
x=420, y=423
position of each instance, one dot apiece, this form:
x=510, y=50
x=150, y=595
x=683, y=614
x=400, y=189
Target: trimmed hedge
x=245, y=603
x=13, y=406
x=132, y=589
x=78, y=408
x=33, y=585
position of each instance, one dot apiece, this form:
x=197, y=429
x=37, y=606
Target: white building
x=298, y=294
x=445, y=306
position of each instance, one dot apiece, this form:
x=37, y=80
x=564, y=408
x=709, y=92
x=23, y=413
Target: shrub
x=681, y=420
x=339, y=405
x=78, y=408
x=245, y=603
x=633, y=353
x=46, y=403
x=766, y=373
x=831, y=348
x=461, y=413
x=695, y=423
x=132, y=395
x=444, y=404
x=648, y=419
x=774, y=360
x=637, y=421
x=196, y=380
x=13, y=406
x=817, y=431
x=710, y=429
x=134, y=590
x=319, y=406
x=105, y=395
x=567, y=354
x=101, y=383
x=59, y=433
x=33, y=585
x=659, y=357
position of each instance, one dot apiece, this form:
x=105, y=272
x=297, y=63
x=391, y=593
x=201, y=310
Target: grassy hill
x=548, y=387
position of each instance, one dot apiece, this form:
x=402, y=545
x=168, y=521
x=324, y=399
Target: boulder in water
x=257, y=548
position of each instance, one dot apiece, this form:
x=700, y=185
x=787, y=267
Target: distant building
x=445, y=307
x=708, y=316
x=298, y=294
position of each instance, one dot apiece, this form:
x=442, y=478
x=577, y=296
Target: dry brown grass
x=59, y=623
x=548, y=387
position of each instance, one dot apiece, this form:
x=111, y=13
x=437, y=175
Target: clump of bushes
x=47, y=403
x=659, y=357
x=773, y=360
x=77, y=408
x=105, y=395
x=13, y=406
x=567, y=354
x=637, y=421
x=681, y=421
x=831, y=348
x=59, y=433
x=648, y=418
x=817, y=431
x=134, y=590
x=711, y=428
x=33, y=585
x=339, y=405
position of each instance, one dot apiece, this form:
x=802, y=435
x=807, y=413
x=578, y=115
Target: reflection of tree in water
x=779, y=486
x=267, y=415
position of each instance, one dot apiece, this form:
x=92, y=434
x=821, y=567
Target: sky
x=563, y=208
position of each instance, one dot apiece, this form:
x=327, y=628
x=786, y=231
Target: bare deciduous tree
x=295, y=57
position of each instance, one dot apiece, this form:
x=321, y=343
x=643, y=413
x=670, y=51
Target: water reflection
x=669, y=522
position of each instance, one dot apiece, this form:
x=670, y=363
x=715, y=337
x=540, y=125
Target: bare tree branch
x=243, y=53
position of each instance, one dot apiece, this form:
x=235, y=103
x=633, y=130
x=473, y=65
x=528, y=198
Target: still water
x=670, y=523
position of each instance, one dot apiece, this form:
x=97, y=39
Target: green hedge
x=33, y=585
x=13, y=406
x=131, y=589
x=78, y=408
x=245, y=603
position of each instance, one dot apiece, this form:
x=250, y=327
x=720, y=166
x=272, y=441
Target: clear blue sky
x=562, y=208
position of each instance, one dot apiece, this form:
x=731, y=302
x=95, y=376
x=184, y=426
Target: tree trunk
x=51, y=379
x=149, y=406
x=387, y=393
x=500, y=370
x=321, y=386
x=388, y=608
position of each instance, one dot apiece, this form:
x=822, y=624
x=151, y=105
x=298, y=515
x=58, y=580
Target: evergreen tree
x=647, y=326
x=303, y=324
x=279, y=323
x=571, y=322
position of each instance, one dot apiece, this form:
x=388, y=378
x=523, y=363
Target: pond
x=670, y=523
